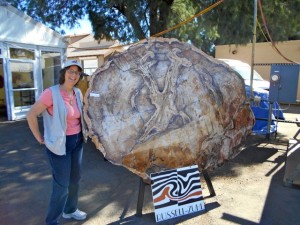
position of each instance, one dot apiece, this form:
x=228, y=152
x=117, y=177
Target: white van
x=261, y=91
x=244, y=70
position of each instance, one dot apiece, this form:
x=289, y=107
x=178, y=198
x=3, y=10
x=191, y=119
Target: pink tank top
x=73, y=116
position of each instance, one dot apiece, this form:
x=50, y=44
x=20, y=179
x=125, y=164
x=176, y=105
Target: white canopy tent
x=18, y=27
x=30, y=56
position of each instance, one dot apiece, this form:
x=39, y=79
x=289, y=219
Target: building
x=264, y=56
x=31, y=54
x=91, y=53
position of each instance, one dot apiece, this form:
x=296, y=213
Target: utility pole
x=253, y=48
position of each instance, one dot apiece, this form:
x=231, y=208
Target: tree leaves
x=131, y=20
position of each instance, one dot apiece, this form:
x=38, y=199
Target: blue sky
x=83, y=27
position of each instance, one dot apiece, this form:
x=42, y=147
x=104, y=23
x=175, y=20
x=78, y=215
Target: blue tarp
x=261, y=112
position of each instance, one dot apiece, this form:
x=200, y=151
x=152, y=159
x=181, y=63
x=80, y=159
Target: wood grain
x=165, y=104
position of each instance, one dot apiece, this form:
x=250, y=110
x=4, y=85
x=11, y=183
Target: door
x=23, y=88
x=22, y=82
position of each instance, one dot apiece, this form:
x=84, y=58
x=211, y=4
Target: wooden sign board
x=176, y=193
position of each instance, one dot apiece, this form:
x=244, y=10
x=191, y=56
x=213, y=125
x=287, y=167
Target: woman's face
x=72, y=75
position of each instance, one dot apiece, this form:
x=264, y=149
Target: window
x=22, y=75
x=18, y=53
x=90, y=66
x=51, y=66
x=22, y=80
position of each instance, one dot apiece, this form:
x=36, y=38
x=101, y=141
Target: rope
x=172, y=28
x=279, y=64
x=189, y=19
x=273, y=43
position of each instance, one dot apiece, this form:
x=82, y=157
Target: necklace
x=70, y=95
x=71, y=99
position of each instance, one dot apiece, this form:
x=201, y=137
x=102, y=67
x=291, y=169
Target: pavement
x=249, y=188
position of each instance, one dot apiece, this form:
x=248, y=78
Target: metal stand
x=142, y=185
x=209, y=183
x=298, y=125
x=140, y=201
x=297, y=133
x=269, y=121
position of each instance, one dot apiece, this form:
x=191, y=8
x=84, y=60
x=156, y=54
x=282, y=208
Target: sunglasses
x=72, y=72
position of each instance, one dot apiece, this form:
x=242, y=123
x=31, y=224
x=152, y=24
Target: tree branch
x=124, y=10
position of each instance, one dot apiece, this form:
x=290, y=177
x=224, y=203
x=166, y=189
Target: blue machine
x=261, y=110
x=283, y=86
x=284, y=83
x=283, y=89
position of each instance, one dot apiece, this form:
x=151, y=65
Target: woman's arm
x=32, y=119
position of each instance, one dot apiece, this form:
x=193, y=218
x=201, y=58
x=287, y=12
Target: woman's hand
x=32, y=120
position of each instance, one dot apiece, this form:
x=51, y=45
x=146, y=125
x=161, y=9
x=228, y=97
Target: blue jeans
x=66, y=170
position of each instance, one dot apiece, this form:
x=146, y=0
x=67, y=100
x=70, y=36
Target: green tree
x=234, y=20
x=131, y=20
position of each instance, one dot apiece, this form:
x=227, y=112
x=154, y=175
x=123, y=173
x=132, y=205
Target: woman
x=61, y=107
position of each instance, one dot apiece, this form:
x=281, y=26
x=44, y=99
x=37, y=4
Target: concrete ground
x=249, y=189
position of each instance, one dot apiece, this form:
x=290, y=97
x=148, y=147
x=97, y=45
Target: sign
x=176, y=193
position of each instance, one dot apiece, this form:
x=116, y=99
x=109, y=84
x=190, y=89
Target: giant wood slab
x=165, y=104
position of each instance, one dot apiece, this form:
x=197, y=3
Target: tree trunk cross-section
x=164, y=104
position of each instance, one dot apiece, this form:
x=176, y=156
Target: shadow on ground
x=26, y=182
